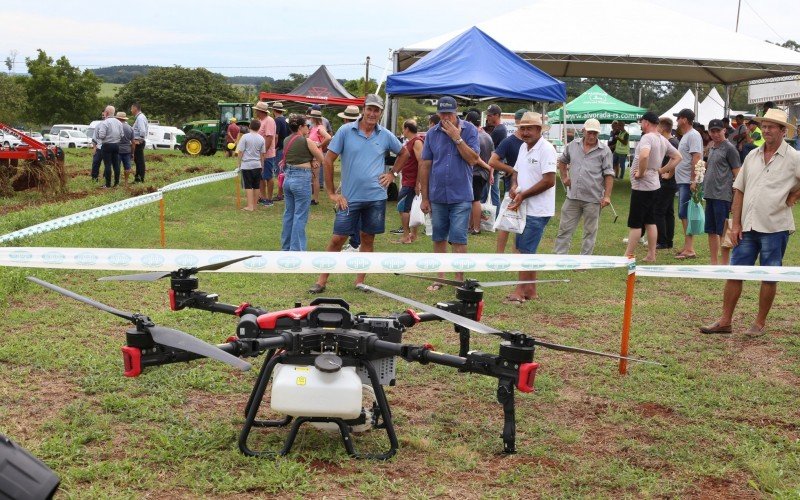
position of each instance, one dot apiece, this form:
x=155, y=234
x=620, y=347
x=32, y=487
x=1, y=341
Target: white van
x=162, y=137
x=50, y=138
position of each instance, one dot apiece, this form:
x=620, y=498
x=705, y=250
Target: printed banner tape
x=745, y=273
x=86, y=215
x=196, y=181
x=127, y=259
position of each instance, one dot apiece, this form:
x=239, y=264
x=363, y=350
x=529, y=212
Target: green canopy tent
x=596, y=103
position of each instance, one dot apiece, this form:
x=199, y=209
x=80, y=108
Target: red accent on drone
x=132, y=357
x=527, y=374
x=172, y=303
x=429, y=347
x=479, y=311
x=414, y=315
x=269, y=320
x=239, y=310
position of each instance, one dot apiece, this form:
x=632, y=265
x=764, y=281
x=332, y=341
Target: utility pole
x=366, y=77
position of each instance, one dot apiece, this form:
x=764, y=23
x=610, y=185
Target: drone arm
x=208, y=302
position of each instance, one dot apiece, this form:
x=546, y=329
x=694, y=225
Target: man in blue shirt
x=362, y=146
x=445, y=175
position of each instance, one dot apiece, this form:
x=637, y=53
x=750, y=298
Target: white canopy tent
x=687, y=101
x=586, y=45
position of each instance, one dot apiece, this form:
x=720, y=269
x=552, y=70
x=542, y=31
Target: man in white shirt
x=533, y=185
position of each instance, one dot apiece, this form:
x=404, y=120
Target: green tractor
x=205, y=137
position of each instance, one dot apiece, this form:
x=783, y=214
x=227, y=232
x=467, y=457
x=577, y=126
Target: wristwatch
x=459, y=141
x=395, y=173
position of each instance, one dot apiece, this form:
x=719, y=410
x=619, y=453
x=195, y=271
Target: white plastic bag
x=512, y=221
x=488, y=211
x=428, y=225
x=416, y=216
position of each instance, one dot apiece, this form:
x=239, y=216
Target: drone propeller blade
x=153, y=276
x=224, y=263
x=566, y=348
x=189, y=343
x=443, y=281
x=86, y=300
x=157, y=275
x=482, y=284
x=453, y=318
x=509, y=283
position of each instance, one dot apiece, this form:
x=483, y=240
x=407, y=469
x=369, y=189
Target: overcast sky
x=262, y=39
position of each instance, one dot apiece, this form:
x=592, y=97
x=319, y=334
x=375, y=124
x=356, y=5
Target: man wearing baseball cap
x=445, y=176
x=361, y=145
x=645, y=168
x=691, y=150
x=722, y=168
x=764, y=192
x=587, y=170
x=498, y=131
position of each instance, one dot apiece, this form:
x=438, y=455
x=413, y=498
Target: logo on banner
x=498, y=264
x=463, y=264
x=393, y=263
x=86, y=259
x=53, y=257
x=186, y=260
x=601, y=264
x=568, y=264
x=152, y=260
x=428, y=264
x=324, y=263
x=288, y=262
x=219, y=258
x=358, y=263
x=255, y=262
x=119, y=259
x=20, y=256
x=532, y=264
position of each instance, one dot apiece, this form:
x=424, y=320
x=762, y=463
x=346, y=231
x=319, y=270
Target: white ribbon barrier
x=745, y=273
x=130, y=259
x=196, y=181
x=118, y=206
x=86, y=215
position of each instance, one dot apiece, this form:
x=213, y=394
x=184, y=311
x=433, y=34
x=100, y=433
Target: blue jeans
x=125, y=159
x=297, y=199
x=494, y=189
x=528, y=241
x=97, y=158
x=768, y=247
x=366, y=216
x=684, y=195
x=621, y=160
x=450, y=221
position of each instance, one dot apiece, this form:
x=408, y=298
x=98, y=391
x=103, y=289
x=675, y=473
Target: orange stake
x=163, y=233
x=626, y=322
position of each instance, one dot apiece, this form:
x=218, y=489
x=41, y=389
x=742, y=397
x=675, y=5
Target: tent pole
x=727, y=110
x=696, y=99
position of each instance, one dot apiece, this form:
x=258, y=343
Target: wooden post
x=238, y=192
x=163, y=232
x=626, y=320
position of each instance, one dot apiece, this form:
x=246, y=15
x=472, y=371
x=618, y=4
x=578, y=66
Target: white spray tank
x=325, y=389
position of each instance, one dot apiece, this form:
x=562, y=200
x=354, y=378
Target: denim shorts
x=267, y=171
x=684, y=195
x=716, y=213
x=450, y=222
x=372, y=215
x=405, y=198
x=528, y=241
x=768, y=247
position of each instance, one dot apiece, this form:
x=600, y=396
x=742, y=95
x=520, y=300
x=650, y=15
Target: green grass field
x=721, y=421
x=108, y=90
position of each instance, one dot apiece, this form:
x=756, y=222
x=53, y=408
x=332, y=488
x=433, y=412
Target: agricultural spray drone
x=328, y=366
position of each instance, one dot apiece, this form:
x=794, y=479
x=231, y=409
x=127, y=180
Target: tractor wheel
x=212, y=145
x=195, y=144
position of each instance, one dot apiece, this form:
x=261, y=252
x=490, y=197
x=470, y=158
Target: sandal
x=716, y=328
x=511, y=299
x=316, y=288
x=435, y=287
x=683, y=256
x=755, y=331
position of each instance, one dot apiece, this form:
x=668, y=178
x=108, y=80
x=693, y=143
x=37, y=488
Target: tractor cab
x=205, y=137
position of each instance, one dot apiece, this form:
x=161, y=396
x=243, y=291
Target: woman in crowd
x=299, y=151
x=320, y=136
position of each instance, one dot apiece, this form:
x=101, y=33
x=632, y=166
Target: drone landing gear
x=257, y=396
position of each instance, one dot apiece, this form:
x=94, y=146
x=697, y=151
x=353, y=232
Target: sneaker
x=261, y=201
x=399, y=230
x=349, y=248
x=267, y=203
x=314, y=202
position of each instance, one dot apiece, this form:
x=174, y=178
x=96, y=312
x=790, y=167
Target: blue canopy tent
x=474, y=65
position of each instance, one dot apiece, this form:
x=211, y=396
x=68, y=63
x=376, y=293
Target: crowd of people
x=115, y=143
x=458, y=164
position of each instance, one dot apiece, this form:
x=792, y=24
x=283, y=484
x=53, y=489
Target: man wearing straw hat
x=282, y=132
x=268, y=132
x=766, y=189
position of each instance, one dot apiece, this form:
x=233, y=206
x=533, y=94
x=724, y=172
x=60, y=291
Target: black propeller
x=481, y=328
x=184, y=272
x=161, y=334
x=471, y=283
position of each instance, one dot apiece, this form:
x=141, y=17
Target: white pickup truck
x=71, y=139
